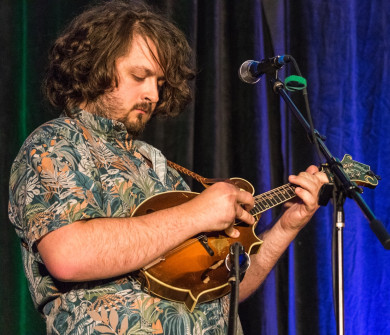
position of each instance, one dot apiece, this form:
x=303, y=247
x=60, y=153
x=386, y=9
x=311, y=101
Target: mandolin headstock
x=359, y=173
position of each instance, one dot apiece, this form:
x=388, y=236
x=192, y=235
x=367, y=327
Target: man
x=77, y=180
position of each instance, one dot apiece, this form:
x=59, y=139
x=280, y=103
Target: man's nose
x=151, y=91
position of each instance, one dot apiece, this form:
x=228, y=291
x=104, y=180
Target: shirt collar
x=105, y=128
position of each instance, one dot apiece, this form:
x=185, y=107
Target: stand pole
x=237, y=271
x=340, y=224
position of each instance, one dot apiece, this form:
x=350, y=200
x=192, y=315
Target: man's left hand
x=299, y=211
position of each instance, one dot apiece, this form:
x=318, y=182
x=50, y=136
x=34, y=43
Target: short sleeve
x=52, y=185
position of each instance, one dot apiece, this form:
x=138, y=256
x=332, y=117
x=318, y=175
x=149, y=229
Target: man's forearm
x=275, y=242
x=107, y=247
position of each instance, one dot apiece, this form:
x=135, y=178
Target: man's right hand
x=220, y=205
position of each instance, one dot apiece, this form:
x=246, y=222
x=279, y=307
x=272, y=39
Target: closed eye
x=138, y=78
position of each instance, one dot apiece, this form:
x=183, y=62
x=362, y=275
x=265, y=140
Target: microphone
x=251, y=71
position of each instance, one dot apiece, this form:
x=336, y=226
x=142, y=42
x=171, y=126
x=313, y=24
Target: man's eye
x=137, y=78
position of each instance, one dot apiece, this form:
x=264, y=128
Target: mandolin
x=195, y=271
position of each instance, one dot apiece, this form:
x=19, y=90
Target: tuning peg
x=372, y=174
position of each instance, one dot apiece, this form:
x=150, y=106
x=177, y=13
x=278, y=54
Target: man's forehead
x=144, y=51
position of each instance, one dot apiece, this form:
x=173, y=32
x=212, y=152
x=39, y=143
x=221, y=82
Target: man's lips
x=143, y=108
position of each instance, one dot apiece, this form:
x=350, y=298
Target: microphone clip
x=237, y=252
x=251, y=71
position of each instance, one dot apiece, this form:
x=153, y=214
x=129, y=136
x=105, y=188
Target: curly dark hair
x=82, y=60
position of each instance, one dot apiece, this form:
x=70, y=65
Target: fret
x=279, y=198
x=257, y=208
x=273, y=198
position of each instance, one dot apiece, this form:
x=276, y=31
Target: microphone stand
x=239, y=263
x=344, y=187
x=234, y=280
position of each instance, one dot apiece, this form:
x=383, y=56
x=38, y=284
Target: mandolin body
x=189, y=274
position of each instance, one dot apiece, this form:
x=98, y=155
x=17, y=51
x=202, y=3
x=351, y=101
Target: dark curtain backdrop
x=236, y=129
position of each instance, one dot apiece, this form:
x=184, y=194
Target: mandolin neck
x=273, y=198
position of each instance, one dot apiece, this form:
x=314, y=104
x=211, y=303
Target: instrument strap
x=206, y=182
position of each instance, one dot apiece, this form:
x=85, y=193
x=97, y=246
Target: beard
x=106, y=106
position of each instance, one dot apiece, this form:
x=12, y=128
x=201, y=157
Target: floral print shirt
x=85, y=167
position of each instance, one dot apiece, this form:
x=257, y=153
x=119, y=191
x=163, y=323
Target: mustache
x=144, y=106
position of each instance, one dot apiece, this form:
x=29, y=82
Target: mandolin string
x=185, y=244
x=284, y=190
x=272, y=194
